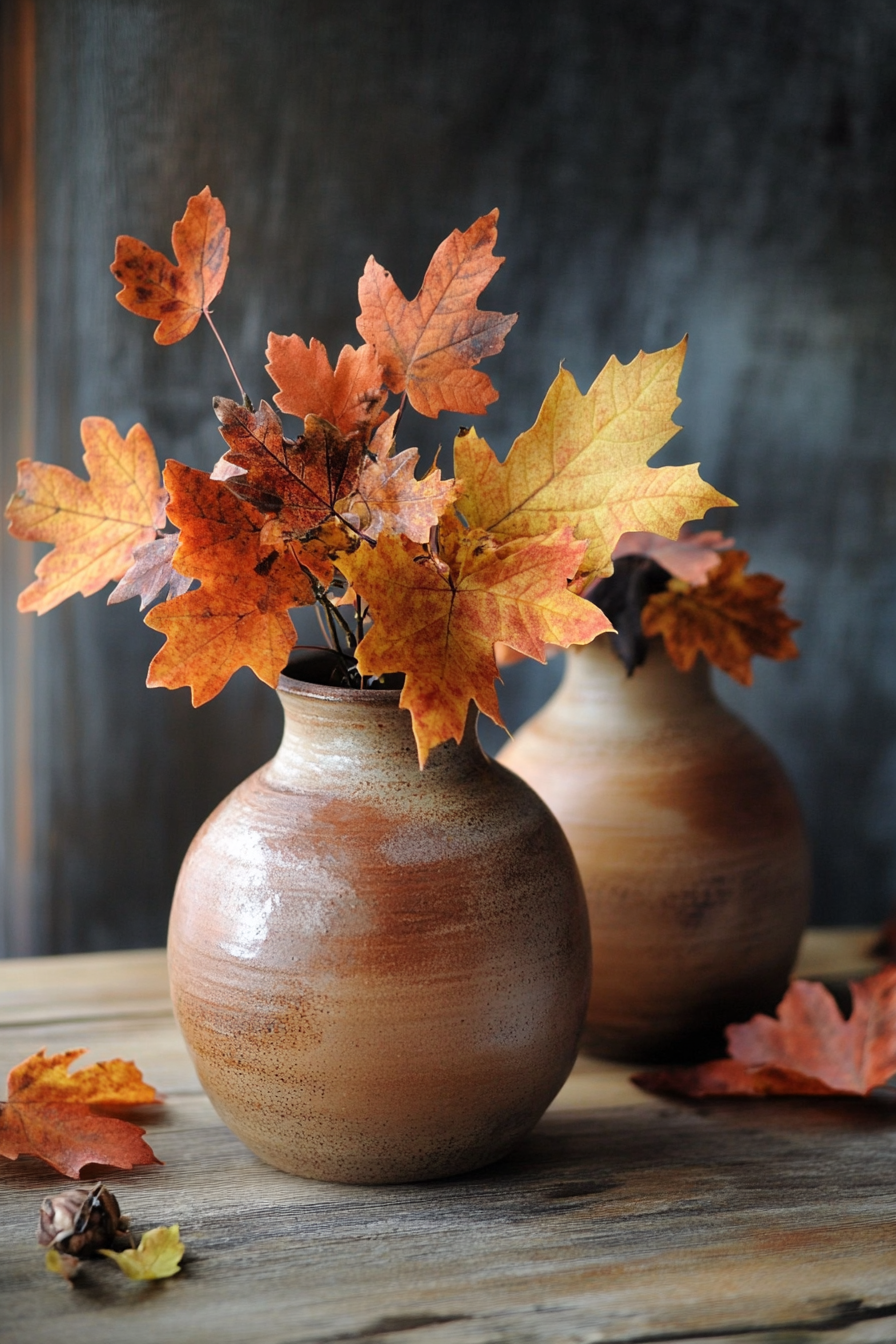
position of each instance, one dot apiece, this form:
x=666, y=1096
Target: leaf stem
x=246, y=400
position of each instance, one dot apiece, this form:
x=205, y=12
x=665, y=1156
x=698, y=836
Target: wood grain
x=622, y=1218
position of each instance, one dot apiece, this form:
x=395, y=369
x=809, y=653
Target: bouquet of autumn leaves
x=415, y=576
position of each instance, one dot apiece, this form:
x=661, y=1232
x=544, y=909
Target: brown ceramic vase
x=690, y=844
x=381, y=972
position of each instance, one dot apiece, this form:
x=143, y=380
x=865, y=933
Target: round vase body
x=690, y=845
x=381, y=972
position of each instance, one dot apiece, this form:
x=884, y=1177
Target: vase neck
x=334, y=738
x=656, y=688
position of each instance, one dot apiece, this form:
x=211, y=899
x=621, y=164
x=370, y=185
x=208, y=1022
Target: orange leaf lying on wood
x=438, y=619
x=584, y=462
x=428, y=345
x=47, y=1113
x=351, y=396
x=176, y=296
x=807, y=1049
x=239, y=617
x=96, y=525
x=729, y=618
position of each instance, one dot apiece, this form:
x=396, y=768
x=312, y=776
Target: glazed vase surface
x=690, y=845
x=381, y=973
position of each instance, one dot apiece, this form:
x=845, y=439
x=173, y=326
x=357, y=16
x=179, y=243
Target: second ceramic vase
x=690, y=844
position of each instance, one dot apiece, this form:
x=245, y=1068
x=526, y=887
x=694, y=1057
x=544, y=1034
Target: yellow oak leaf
x=95, y=525
x=584, y=462
x=438, y=620
x=157, y=1257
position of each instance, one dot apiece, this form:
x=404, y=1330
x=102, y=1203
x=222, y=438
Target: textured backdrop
x=720, y=167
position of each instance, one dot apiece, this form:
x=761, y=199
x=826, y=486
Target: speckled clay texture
x=690, y=845
x=381, y=973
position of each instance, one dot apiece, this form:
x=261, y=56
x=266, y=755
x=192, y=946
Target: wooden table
x=623, y=1217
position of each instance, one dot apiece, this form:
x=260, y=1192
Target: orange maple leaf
x=350, y=397
x=96, y=525
x=389, y=498
x=428, y=345
x=729, y=618
x=47, y=1113
x=437, y=620
x=301, y=481
x=176, y=296
x=584, y=462
x=808, y=1048
x=239, y=616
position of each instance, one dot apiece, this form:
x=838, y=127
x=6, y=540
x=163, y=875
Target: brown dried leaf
x=728, y=619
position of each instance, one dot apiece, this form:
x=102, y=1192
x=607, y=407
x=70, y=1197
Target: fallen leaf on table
x=157, y=1257
x=47, y=1113
x=438, y=619
x=176, y=296
x=729, y=619
x=808, y=1048
x=95, y=525
x=351, y=396
x=584, y=462
x=66, y=1266
x=427, y=346
x=150, y=572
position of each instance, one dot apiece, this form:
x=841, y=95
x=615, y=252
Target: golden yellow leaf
x=157, y=1257
x=95, y=525
x=438, y=620
x=584, y=463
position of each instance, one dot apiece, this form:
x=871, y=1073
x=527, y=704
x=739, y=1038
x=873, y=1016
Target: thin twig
x=246, y=400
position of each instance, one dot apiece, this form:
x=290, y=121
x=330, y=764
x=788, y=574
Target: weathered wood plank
x=622, y=1218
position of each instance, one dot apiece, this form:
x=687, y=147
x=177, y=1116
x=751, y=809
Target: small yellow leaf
x=66, y=1266
x=157, y=1257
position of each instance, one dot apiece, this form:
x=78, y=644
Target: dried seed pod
x=81, y=1221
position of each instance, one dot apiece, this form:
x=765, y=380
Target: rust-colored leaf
x=351, y=396
x=95, y=525
x=438, y=620
x=150, y=572
x=808, y=1048
x=239, y=616
x=729, y=618
x=584, y=463
x=428, y=345
x=47, y=1113
x=300, y=481
x=176, y=296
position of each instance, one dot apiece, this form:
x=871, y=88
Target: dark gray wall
x=722, y=167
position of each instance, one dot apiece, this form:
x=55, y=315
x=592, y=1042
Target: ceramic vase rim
x=346, y=695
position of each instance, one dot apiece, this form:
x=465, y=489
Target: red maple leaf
x=807, y=1048
x=47, y=1113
